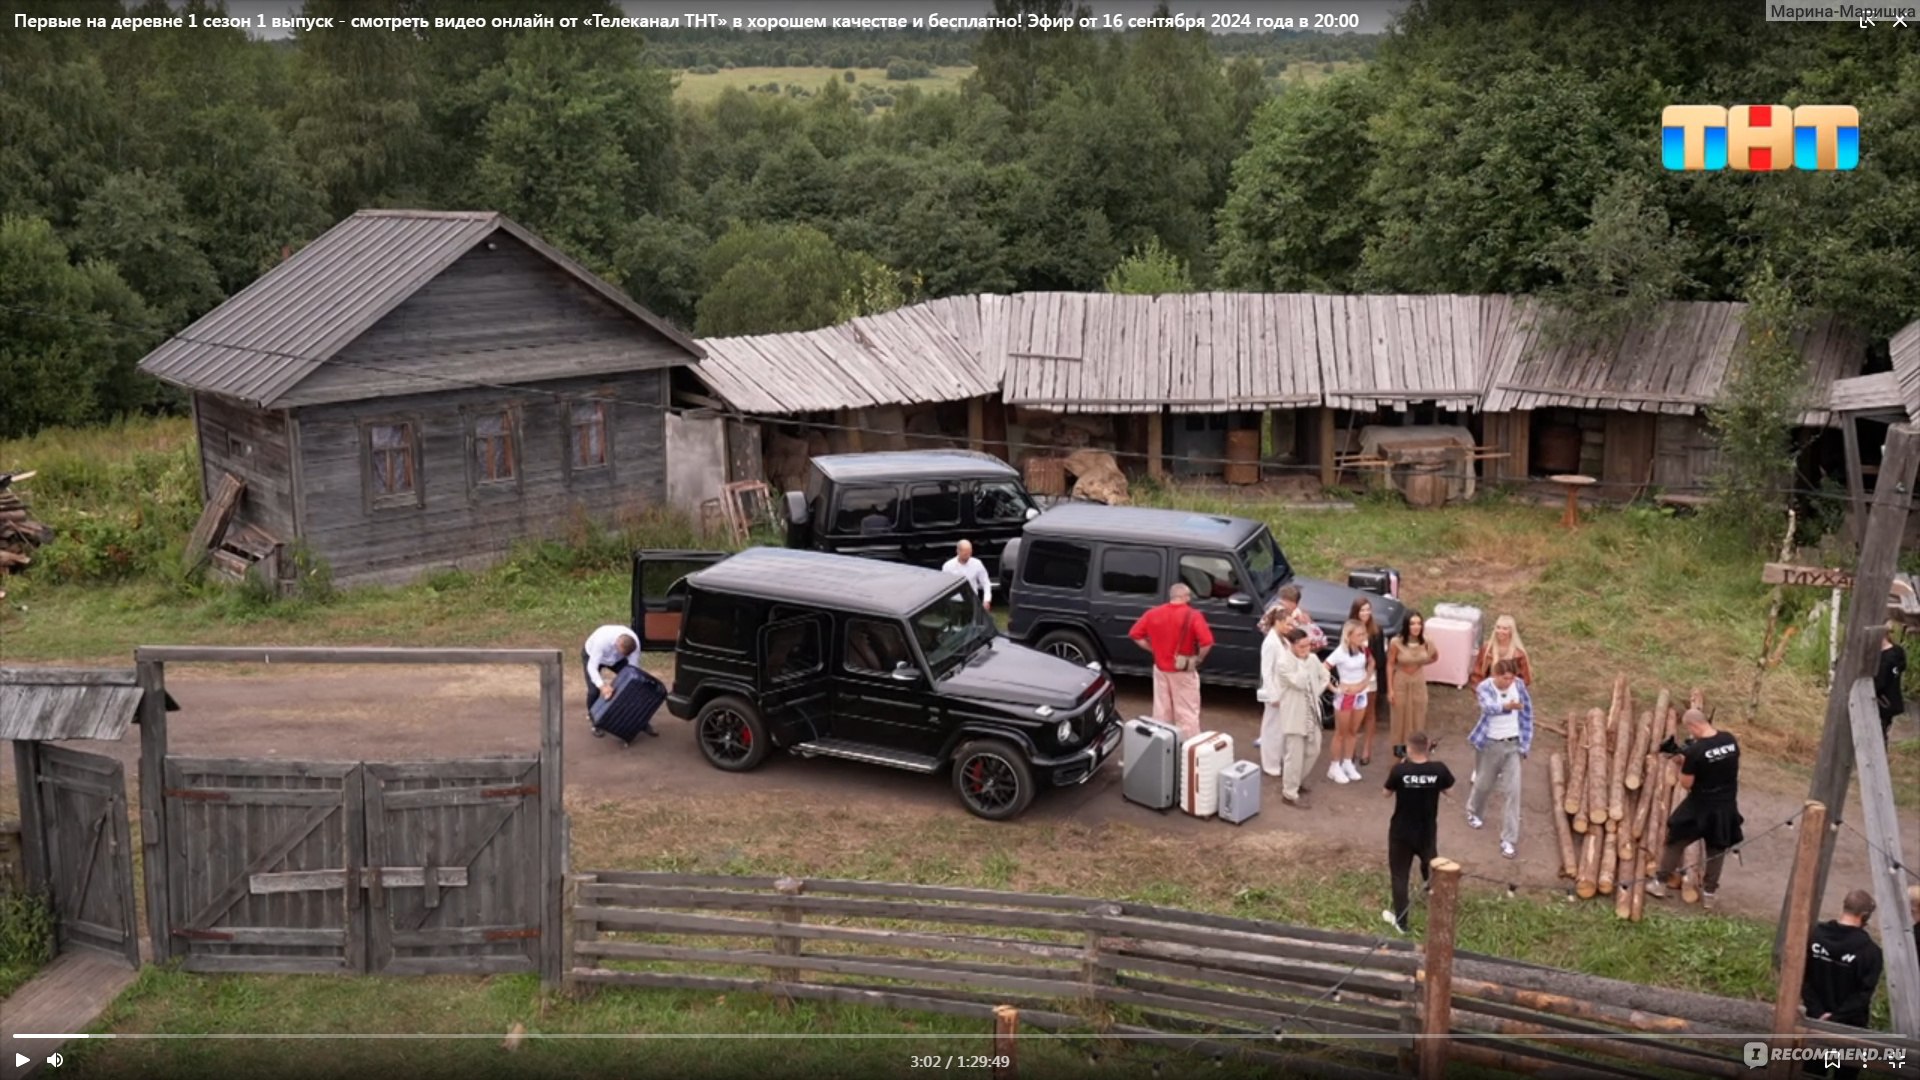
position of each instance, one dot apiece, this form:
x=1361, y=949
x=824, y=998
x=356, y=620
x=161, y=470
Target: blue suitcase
x=637, y=695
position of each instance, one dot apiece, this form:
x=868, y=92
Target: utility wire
x=815, y=425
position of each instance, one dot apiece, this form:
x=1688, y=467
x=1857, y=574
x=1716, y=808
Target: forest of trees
x=1485, y=146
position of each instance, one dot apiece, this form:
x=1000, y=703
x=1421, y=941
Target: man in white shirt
x=963, y=564
x=612, y=647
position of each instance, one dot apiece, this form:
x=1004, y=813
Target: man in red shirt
x=1179, y=639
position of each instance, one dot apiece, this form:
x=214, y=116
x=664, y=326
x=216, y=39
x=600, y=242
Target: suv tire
x=731, y=735
x=1069, y=645
x=992, y=779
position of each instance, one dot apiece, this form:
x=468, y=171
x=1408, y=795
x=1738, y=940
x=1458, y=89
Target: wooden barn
x=1629, y=411
x=416, y=390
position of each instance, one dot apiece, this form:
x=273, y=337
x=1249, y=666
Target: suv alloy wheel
x=731, y=734
x=1069, y=645
x=992, y=779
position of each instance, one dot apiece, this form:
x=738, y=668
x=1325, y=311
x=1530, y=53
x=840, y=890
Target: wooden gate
x=348, y=867
x=81, y=812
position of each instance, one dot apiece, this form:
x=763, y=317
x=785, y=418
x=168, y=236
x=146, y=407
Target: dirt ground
x=348, y=714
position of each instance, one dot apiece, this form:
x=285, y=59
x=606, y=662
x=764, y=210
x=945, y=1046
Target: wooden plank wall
x=457, y=524
x=252, y=444
x=1627, y=450
x=497, y=316
x=1684, y=454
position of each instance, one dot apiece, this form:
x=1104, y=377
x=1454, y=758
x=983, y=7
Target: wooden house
x=1630, y=410
x=419, y=389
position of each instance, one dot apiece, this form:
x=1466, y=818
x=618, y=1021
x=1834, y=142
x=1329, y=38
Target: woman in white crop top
x=1353, y=677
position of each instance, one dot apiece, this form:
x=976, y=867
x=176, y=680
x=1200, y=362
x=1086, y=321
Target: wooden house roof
x=1390, y=351
x=1876, y=393
x=267, y=338
x=906, y=356
x=1675, y=362
x=1905, y=351
x=54, y=704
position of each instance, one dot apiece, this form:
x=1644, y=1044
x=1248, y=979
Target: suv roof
x=912, y=465
x=1094, y=521
x=842, y=582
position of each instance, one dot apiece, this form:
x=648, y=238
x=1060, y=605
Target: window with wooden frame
x=495, y=442
x=587, y=444
x=393, y=463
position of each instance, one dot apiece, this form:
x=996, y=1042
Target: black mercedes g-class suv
x=909, y=506
x=833, y=656
x=1083, y=573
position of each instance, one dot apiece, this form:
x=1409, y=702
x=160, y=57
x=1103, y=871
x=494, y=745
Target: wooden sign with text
x=1815, y=576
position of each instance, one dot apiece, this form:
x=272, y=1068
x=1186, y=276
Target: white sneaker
x=1506, y=849
x=1336, y=774
x=1386, y=916
x=1352, y=773
x=1473, y=821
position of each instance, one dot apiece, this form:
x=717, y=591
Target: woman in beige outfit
x=1407, y=658
x=1292, y=680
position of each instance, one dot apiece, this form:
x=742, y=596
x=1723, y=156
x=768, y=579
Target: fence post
x=1436, y=1014
x=1092, y=975
x=1796, y=931
x=1006, y=1029
x=787, y=944
x=569, y=932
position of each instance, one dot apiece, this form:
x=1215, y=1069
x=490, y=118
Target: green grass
x=26, y=938
x=701, y=89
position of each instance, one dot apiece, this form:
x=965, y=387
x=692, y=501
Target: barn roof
x=1905, y=350
x=907, y=356
x=268, y=337
x=55, y=704
x=1390, y=351
x=1675, y=362
x=1876, y=393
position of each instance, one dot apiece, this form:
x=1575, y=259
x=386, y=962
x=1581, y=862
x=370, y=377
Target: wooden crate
x=1046, y=476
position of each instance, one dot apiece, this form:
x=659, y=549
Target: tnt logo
x=1760, y=138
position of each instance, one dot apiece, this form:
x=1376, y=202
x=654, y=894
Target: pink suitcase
x=1455, y=640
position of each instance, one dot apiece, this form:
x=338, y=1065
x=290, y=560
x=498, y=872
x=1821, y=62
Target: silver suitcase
x=1239, y=791
x=1151, y=751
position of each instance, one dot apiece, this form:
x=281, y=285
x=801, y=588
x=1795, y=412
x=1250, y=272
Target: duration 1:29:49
x=960, y=1061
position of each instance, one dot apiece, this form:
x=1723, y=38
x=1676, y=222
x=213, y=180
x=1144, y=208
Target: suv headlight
x=1064, y=732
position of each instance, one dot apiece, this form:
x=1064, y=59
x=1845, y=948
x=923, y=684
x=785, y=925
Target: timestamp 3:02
x=960, y=1061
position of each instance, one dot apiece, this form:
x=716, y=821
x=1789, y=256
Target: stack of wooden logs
x=1613, y=791
x=20, y=535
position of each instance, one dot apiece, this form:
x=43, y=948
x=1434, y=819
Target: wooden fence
x=1318, y=1003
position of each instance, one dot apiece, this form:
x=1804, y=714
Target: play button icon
x=20, y=1059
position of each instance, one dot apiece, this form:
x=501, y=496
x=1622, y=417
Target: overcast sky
x=1374, y=14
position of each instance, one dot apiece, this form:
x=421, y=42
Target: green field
x=701, y=89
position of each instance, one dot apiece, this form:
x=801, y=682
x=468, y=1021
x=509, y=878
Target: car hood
x=1329, y=604
x=1009, y=673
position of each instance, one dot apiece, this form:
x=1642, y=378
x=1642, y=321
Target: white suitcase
x=1201, y=759
x=1239, y=791
x=1454, y=638
x=1148, y=772
x=1466, y=613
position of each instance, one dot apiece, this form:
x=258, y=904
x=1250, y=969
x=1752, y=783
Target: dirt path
x=401, y=713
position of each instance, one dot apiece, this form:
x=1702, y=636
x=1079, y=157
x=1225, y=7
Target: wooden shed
x=420, y=389
x=1629, y=410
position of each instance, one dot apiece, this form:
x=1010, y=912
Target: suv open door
x=659, y=597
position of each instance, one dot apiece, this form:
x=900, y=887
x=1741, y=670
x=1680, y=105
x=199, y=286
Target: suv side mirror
x=904, y=672
x=1240, y=602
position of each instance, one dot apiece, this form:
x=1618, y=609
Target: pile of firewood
x=20, y=535
x=1614, y=791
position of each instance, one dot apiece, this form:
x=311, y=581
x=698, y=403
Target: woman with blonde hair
x=1503, y=644
x=1353, y=678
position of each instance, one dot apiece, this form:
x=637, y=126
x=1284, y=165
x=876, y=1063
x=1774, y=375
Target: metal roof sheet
x=275, y=332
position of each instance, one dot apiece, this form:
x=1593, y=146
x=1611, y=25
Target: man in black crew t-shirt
x=1710, y=771
x=1415, y=786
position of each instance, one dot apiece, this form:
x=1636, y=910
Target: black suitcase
x=637, y=695
x=1378, y=580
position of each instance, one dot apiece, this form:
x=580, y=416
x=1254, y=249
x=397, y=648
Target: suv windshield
x=1264, y=562
x=948, y=629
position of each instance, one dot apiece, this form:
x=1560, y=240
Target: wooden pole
x=1156, y=442
x=152, y=677
x=1643, y=742
x=1006, y=1033
x=784, y=916
x=1596, y=770
x=1617, y=769
x=1588, y=883
x=1329, y=427
x=976, y=424
x=1562, y=828
x=1761, y=663
x=1872, y=581
x=1890, y=882
x=1695, y=862
x=1609, y=859
x=1436, y=1010
x=1856, y=478
x=1576, y=796
x=555, y=836
x=1797, y=927
x=1649, y=797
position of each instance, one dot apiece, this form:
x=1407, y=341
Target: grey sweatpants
x=1496, y=767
